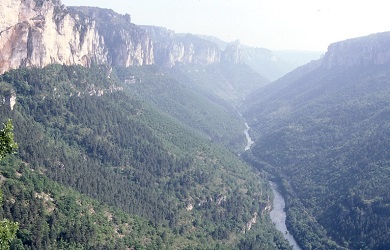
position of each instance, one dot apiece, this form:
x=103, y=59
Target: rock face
x=42, y=32
x=171, y=49
x=193, y=50
x=38, y=33
x=369, y=50
x=233, y=53
x=188, y=50
x=126, y=43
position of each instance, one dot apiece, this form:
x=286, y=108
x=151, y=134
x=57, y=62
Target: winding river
x=277, y=214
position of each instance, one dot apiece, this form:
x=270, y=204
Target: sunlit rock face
x=127, y=44
x=41, y=32
x=190, y=50
x=369, y=50
x=38, y=33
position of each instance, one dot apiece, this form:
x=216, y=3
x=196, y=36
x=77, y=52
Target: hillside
x=52, y=216
x=83, y=129
x=203, y=97
x=323, y=131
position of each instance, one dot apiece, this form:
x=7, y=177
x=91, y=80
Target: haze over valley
x=136, y=136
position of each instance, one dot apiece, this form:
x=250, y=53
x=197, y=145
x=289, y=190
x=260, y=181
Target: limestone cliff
x=38, y=33
x=369, y=50
x=127, y=44
x=171, y=49
x=41, y=32
x=191, y=50
x=233, y=53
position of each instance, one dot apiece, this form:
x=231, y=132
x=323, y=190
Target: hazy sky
x=272, y=24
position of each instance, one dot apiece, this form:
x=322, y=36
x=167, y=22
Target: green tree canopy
x=7, y=146
x=7, y=143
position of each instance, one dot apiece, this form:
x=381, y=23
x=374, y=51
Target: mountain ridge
x=38, y=33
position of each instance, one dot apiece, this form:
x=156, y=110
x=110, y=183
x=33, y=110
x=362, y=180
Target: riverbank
x=278, y=216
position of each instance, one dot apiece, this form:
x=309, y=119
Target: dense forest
x=100, y=167
x=122, y=136
x=324, y=134
x=203, y=97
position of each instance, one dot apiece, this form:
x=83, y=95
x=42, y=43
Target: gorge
x=129, y=137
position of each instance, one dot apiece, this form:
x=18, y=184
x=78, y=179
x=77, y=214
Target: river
x=248, y=138
x=277, y=214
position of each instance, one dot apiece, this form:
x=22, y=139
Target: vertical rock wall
x=41, y=32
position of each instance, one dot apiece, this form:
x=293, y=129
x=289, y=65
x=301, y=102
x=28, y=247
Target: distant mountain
x=271, y=64
x=265, y=62
x=323, y=131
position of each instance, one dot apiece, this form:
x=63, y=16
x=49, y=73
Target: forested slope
x=51, y=216
x=205, y=98
x=324, y=133
x=82, y=129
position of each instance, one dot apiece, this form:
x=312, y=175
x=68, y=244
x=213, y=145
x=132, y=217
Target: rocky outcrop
x=171, y=49
x=126, y=43
x=250, y=223
x=233, y=53
x=38, y=33
x=191, y=50
x=42, y=32
x=369, y=50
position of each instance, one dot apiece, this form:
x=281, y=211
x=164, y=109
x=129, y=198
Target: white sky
x=272, y=24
